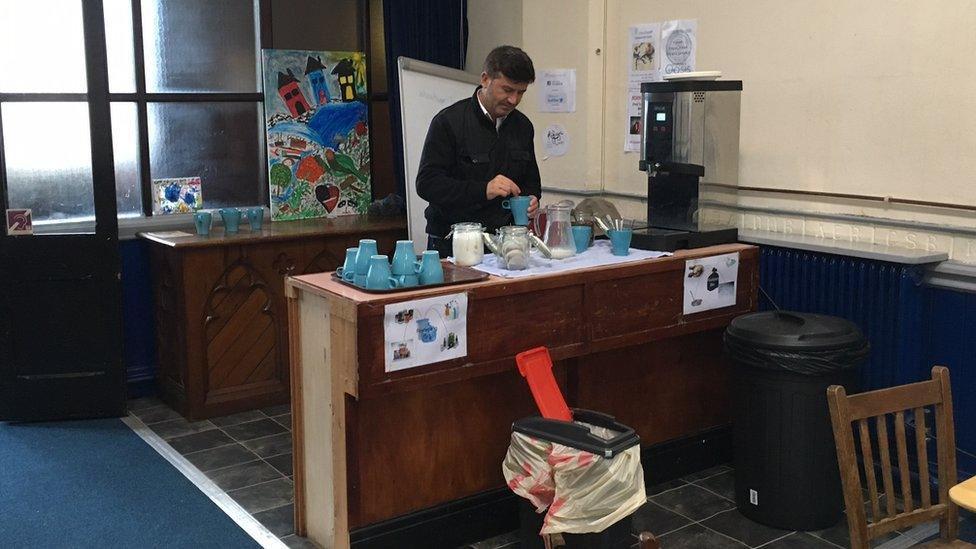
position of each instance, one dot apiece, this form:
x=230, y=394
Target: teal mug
x=232, y=219
x=378, y=277
x=203, y=222
x=430, y=270
x=404, y=258
x=581, y=236
x=348, y=269
x=520, y=209
x=407, y=280
x=255, y=218
x=620, y=241
x=366, y=250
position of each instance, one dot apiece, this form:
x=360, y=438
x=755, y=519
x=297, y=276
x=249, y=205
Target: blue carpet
x=95, y=483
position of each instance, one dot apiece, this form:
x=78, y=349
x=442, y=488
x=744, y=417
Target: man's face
x=500, y=95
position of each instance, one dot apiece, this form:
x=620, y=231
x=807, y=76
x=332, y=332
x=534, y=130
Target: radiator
x=885, y=300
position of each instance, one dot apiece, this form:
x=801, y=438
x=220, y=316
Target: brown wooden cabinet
x=221, y=318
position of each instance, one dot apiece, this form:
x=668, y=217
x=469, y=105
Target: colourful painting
x=179, y=195
x=315, y=108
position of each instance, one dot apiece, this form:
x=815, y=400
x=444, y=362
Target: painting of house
x=317, y=133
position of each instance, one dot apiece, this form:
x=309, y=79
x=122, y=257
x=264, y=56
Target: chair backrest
x=912, y=398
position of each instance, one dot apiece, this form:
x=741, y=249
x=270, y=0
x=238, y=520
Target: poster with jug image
x=710, y=282
x=425, y=331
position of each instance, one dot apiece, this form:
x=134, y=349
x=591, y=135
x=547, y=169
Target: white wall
x=491, y=23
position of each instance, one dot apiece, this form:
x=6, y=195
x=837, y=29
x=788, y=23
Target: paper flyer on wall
x=710, y=282
x=655, y=49
x=558, y=90
x=425, y=331
x=679, y=40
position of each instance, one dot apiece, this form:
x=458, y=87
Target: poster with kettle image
x=710, y=282
x=425, y=331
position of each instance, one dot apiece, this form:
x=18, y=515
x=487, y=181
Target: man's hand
x=501, y=186
x=533, y=205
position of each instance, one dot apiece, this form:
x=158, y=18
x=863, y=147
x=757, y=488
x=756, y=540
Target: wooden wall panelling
x=170, y=325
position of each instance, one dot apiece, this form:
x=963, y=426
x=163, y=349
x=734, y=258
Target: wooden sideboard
x=374, y=447
x=221, y=317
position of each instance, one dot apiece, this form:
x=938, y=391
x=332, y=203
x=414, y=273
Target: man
x=479, y=151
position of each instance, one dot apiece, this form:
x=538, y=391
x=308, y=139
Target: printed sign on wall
x=425, y=331
x=19, y=222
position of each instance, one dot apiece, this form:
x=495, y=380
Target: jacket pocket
x=475, y=166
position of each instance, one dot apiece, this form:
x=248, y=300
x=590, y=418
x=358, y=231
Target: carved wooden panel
x=240, y=330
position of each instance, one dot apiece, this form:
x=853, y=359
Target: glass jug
x=559, y=230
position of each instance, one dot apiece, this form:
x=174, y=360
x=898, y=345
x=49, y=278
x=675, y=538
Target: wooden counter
x=221, y=324
x=371, y=446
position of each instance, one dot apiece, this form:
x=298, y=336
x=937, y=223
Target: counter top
x=279, y=230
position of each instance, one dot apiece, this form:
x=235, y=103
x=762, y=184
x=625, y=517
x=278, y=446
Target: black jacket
x=462, y=153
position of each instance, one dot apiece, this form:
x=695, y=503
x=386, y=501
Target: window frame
x=141, y=98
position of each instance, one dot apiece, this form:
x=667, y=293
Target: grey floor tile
x=273, y=445
x=665, y=486
x=722, y=484
x=267, y=495
x=142, y=403
x=298, y=542
x=710, y=472
x=693, y=502
x=284, y=421
x=180, y=427
x=653, y=518
x=282, y=463
x=200, y=441
x=236, y=419
x=254, y=429
x=839, y=534
x=280, y=520
x=156, y=414
x=497, y=542
x=272, y=411
x=801, y=540
x=244, y=475
x=696, y=536
x=223, y=456
x=733, y=524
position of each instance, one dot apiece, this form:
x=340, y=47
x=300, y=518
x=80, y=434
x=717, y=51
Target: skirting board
x=495, y=512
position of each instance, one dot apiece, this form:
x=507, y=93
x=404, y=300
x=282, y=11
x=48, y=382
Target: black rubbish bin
x=616, y=536
x=786, y=473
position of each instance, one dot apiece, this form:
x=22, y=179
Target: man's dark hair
x=511, y=62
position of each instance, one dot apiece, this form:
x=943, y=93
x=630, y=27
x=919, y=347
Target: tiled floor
x=249, y=456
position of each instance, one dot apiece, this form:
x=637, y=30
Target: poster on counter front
x=710, y=282
x=425, y=331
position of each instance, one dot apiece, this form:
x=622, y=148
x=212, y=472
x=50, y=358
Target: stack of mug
x=231, y=218
x=368, y=269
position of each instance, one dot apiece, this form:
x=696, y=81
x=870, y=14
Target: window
x=184, y=82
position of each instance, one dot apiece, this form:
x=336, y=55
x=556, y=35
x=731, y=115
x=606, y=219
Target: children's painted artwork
x=315, y=108
x=179, y=195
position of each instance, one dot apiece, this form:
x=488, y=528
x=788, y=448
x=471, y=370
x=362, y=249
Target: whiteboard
x=425, y=89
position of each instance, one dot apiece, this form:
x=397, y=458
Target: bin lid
x=792, y=330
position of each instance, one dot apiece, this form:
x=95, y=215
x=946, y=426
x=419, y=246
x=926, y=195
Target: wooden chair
x=844, y=410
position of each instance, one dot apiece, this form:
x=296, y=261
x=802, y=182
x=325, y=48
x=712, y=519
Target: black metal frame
x=101, y=119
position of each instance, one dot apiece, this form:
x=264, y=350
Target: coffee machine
x=689, y=136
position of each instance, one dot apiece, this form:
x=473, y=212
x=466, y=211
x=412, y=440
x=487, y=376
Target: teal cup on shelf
x=378, y=276
x=620, y=241
x=255, y=218
x=520, y=208
x=232, y=219
x=431, y=271
x=407, y=280
x=203, y=221
x=348, y=269
x=581, y=236
x=404, y=259
x=366, y=250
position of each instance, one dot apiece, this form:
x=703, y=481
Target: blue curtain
x=435, y=31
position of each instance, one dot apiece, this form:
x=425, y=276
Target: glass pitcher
x=559, y=230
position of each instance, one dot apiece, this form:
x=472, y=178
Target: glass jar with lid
x=467, y=243
x=513, y=247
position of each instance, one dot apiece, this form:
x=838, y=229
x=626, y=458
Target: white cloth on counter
x=597, y=255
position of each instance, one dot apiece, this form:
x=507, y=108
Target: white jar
x=468, y=243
